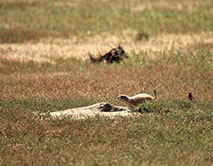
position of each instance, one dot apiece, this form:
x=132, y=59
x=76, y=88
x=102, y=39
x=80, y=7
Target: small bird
x=190, y=96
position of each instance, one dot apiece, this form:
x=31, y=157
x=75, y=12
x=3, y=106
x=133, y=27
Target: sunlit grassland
x=23, y=20
x=175, y=132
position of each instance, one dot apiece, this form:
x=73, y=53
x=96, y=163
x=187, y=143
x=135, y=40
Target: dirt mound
x=102, y=109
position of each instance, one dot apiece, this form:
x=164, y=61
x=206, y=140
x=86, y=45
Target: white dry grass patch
x=138, y=6
x=48, y=49
x=62, y=4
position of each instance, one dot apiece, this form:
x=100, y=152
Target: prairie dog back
x=137, y=99
x=140, y=98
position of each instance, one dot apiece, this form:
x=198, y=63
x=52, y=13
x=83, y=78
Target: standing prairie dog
x=137, y=99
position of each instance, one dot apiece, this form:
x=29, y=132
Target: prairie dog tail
x=155, y=95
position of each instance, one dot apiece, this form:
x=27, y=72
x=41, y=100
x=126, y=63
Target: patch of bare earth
x=48, y=49
x=98, y=109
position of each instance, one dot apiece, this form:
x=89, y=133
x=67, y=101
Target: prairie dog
x=137, y=99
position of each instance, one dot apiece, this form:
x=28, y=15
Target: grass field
x=44, y=67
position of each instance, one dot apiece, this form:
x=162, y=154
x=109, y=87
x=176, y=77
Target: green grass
x=178, y=137
x=23, y=21
x=170, y=131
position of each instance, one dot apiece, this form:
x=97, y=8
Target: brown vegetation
x=42, y=44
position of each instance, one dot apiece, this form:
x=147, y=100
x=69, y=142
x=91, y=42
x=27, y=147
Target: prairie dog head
x=123, y=98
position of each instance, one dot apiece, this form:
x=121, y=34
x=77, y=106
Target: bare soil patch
x=100, y=109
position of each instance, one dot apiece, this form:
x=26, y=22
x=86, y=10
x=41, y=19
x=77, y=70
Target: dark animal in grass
x=190, y=96
x=114, y=55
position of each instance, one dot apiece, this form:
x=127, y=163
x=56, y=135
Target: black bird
x=190, y=96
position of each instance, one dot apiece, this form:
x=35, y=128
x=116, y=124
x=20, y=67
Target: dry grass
x=44, y=18
x=41, y=70
x=23, y=35
x=107, y=83
x=182, y=130
x=10, y=4
x=137, y=6
x=48, y=49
